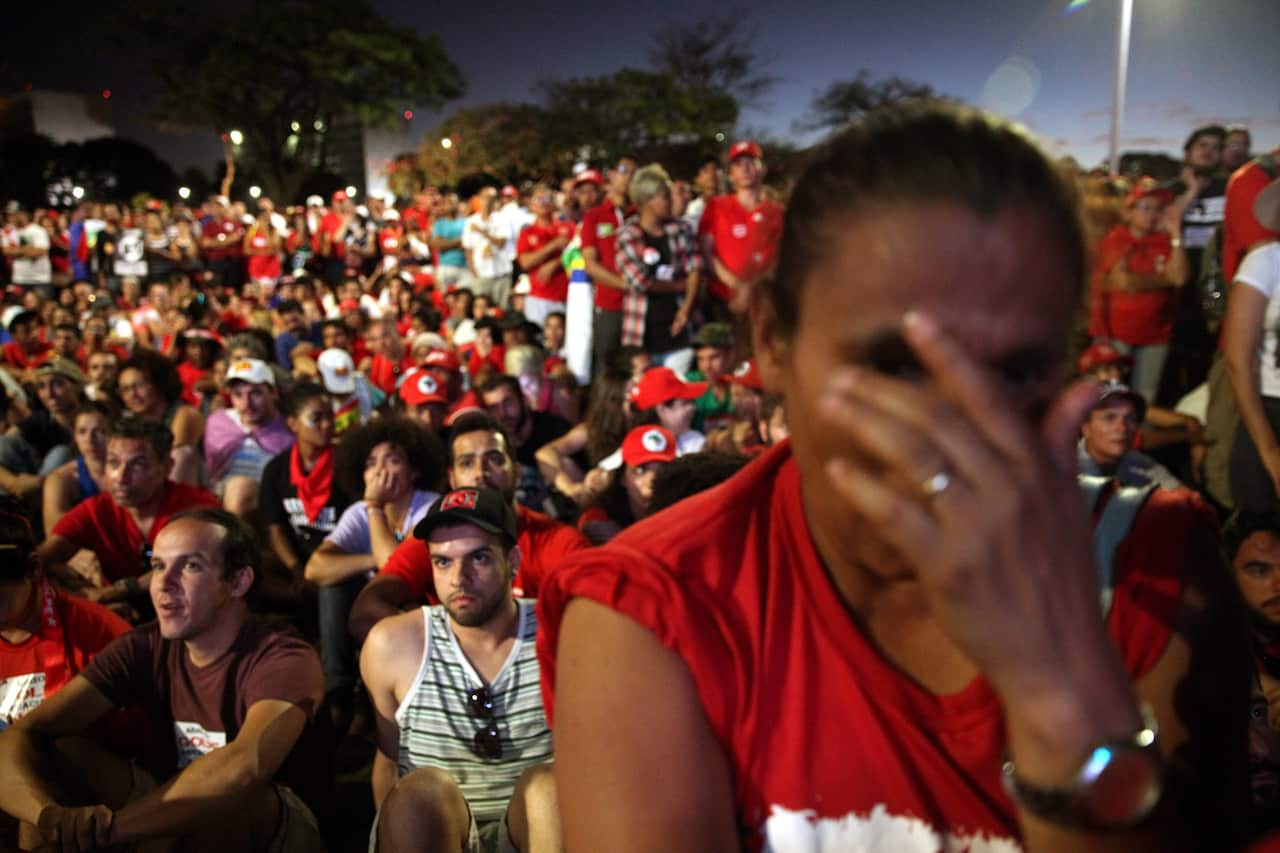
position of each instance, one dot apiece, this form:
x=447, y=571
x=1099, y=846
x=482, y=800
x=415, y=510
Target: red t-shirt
x=746, y=240
x=534, y=237
x=599, y=231
x=416, y=216
x=231, y=246
x=545, y=544
x=72, y=630
x=15, y=355
x=1240, y=228
x=730, y=581
x=106, y=528
x=1138, y=319
x=190, y=375
x=264, y=266
x=384, y=373
x=496, y=360
x=330, y=224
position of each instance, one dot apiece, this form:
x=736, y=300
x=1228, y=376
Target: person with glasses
x=463, y=745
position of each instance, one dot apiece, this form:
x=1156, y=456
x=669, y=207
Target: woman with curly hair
x=151, y=389
x=397, y=465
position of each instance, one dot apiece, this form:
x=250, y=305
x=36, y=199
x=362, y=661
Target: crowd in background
x=343, y=380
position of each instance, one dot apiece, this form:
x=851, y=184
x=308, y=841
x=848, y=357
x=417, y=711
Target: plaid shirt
x=685, y=259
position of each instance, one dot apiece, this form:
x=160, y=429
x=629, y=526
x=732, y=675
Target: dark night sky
x=1029, y=59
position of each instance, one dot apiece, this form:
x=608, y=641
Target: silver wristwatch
x=1118, y=784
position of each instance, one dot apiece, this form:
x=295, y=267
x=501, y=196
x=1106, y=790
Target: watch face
x=1125, y=786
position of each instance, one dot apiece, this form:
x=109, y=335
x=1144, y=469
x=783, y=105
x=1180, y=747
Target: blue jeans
x=337, y=651
x=1148, y=366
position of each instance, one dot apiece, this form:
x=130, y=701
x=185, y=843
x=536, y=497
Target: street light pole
x=1122, y=72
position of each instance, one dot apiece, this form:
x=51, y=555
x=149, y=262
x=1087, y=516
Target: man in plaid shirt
x=659, y=259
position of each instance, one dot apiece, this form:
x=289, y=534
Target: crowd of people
x=774, y=501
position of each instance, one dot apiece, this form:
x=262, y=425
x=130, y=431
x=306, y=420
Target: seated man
x=240, y=441
x=480, y=454
x=1252, y=543
x=120, y=526
x=230, y=703
x=43, y=441
x=529, y=430
x=463, y=745
x=1106, y=441
x=49, y=636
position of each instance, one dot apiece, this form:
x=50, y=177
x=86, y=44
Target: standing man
x=230, y=703
x=739, y=232
x=29, y=252
x=538, y=248
x=240, y=441
x=1201, y=192
x=463, y=746
x=599, y=235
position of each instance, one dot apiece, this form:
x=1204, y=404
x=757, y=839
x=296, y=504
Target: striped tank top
x=437, y=729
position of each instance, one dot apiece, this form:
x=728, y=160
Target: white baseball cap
x=251, y=370
x=337, y=371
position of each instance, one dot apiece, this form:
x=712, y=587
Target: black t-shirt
x=662, y=307
x=278, y=503
x=1204, y=214
x=43, y=433
x=532, y=491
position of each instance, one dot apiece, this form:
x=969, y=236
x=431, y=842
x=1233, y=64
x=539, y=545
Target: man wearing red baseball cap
x=424, y=398
x=599, y=236
x=662, y=395
x=1138, y=266
x=645, y=451
x=739, y=232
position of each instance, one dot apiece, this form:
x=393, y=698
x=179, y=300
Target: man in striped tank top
x=463, y=745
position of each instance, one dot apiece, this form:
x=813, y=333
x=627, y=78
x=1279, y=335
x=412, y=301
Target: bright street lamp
x=295, y=127
x=184, y=193
x=255, y=191
x=351, y=192
x=78, y=192
x=446, y=143
x=236, y=137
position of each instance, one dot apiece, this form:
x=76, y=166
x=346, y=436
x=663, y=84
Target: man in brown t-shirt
x=230, y=704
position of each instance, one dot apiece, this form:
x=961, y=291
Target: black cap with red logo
x=485, y=508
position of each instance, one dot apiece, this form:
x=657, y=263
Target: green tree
x=502, y=141
x=715, y=54
x=288, y=74
x=844, y=101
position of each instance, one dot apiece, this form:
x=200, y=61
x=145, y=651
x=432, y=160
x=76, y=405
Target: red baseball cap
x=442, y=358
x=1147, y=186
x=419, y=387
x=746, y=375
x=588, y=176
x=467, y=403
x=339, y=195
x=1101, y=354
x=745, y=148
x=648, y=444
x=509, y=191
x=661, y=384
x=349, y=305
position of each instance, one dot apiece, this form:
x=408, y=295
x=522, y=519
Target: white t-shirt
x=487, y=258
x=33, y=270
x=1260, y=269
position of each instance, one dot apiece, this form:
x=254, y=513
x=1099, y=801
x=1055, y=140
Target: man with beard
x=463, y=744
x=1252, y=543
x=529, y=430
x=240, y=441
x=480, y=455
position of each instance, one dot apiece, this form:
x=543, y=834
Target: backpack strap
x=1119, y=510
